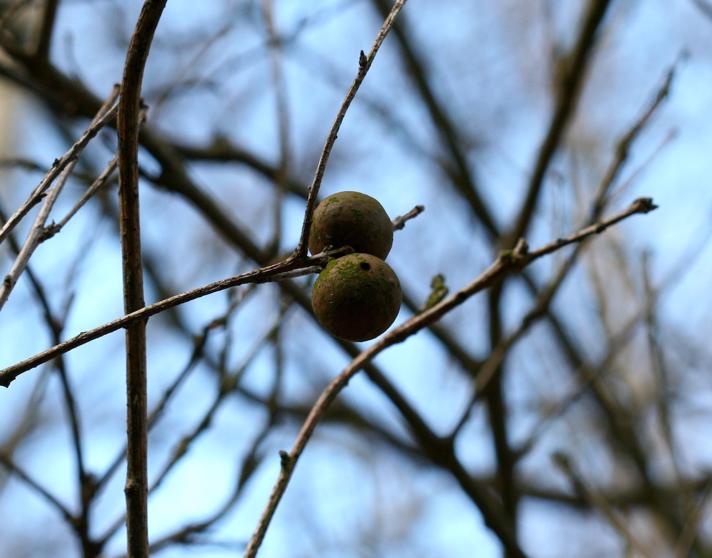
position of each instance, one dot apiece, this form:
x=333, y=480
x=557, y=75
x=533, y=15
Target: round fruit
x=356, y=297
x=351, y=219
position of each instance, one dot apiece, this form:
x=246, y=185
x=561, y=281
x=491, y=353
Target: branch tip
x=644, y=205
x=285, y=460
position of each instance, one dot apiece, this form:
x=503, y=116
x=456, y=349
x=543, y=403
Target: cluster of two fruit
x=357, y=296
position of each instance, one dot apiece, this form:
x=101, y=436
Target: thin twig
x=199, y=343
x=262, y=275
x=105, y=114
x=400, y=221
x=364, y=63
x=55, y=324
x=128, y=120
x=626, y=142
x=34, y=238
x=101, y=180
x=507, y=262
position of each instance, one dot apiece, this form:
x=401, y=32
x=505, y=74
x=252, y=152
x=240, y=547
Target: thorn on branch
x=285, y=460
x=362, y=61
x=49, y=231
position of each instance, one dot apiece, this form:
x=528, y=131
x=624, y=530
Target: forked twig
x=364, y=64
x=105, y=114
x=34, y=238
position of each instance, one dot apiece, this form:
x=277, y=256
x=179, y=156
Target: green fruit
x=356, y=297
x=351, y=219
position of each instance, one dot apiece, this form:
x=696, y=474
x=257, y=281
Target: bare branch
x=261, y=275
x=55, y=325
x=100, y=181
x=507, y=262
x=128, y=120
x=104, y=116
x=400, y=221
x=491, y=366
x=626, y=142
x=364, y=64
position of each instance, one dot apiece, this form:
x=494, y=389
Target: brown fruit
x=351, y=219
x=356, y=297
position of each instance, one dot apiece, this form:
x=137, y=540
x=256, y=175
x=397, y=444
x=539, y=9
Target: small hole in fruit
x=365, y=266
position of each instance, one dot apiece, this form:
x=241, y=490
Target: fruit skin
x=356, y=297
x=351, y=219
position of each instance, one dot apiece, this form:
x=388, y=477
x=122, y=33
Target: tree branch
x=565, y=105
x=129, y=114
x=364, y=64
x=104, y=115
x=261, y=275
x=506, y=263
